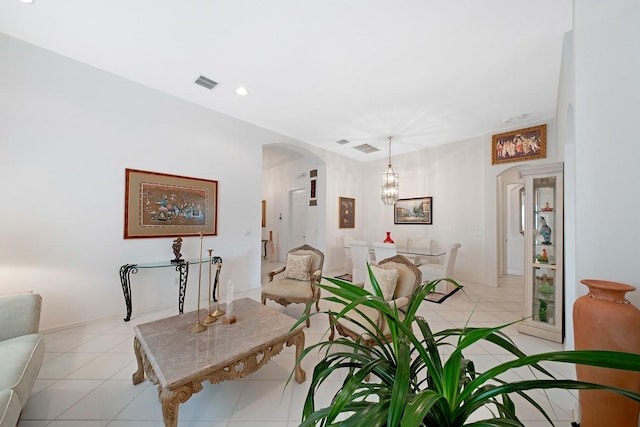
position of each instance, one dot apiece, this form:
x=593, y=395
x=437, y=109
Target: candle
x=229, y=298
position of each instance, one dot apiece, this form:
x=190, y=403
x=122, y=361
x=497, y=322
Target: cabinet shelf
x=539, y=265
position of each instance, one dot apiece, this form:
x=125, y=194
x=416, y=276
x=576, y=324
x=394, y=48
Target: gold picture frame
x=519, y=145
x=346, y=212
x=164, y=205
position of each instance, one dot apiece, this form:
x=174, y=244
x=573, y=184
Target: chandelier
x=390, y=183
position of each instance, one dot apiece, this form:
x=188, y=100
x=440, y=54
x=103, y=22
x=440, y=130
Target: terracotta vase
x=388, y=239
x=605, y=320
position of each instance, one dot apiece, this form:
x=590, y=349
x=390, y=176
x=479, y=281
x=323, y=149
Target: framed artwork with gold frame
x=164, y=205
x=346, y=212
x=519, y=145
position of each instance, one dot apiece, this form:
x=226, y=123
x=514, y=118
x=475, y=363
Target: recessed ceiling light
x=242, y=91
x=28, y=1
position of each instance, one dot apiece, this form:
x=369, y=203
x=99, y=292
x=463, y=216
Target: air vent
x=366, y=148
x=342, y=142
x=206, y=82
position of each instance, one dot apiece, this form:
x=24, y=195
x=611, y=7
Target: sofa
x=21, y=353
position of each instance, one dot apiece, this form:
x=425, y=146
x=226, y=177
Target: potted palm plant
x=414, y=385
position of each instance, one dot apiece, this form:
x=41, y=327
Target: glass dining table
x=420, y=255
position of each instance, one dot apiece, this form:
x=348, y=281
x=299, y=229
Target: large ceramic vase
x=605, y=320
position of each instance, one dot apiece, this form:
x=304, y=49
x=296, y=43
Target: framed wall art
x=347, y=213
x=418, y=210
x=519, y=145
x=163, y=205
x=264, y=213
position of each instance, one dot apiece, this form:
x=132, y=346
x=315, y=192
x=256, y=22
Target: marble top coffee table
x=179, y=361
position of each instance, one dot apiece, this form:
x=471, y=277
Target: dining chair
x=348, y=258
x=419, y=244
x=384, y=250
x=432, y=272
x=359, y=257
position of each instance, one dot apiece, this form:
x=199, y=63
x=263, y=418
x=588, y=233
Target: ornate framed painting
x=519, y=145
x=418, y=210
x=347, y=213
x=163, y=205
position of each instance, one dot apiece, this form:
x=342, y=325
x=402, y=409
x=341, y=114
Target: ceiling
x=426, y=72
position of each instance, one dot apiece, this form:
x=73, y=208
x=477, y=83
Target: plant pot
x=605, y=320
x=388, y=239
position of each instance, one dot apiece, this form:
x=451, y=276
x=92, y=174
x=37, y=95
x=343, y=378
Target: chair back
x=420, y=243
x=450, y=259
x=409, y=276
x=359, y=257
x=346, y=247
x=317, y=257
x=384, y=250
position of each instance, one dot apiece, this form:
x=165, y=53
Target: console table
x=183, y=273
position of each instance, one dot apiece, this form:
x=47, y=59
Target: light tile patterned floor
x=85, y=380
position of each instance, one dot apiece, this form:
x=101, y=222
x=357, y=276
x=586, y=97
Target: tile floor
x=85, y=380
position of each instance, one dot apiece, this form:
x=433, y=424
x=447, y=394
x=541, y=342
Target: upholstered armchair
x=296, y=281
x=398, y=278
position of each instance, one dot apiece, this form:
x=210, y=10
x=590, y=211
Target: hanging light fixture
x=390, y=183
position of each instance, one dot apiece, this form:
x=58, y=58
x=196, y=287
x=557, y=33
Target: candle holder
x=229, y=320
x=199, y=327
x=210, y=317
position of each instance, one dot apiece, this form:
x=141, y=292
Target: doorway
x=510, y=240
x=298, y=215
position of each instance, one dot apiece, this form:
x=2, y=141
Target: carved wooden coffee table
x=179, y=361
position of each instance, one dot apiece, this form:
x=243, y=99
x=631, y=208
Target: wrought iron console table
x=183, y=273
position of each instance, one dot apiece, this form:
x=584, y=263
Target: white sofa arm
x=19, y=314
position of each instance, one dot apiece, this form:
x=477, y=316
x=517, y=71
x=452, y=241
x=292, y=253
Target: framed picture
x=347, y=213
x=418, y=210
x=163, y=205
x=264, y=213
x=519, y=145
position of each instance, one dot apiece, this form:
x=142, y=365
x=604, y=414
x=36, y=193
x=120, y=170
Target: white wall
x=567, y=140
x=68, y=132
x=607, y=92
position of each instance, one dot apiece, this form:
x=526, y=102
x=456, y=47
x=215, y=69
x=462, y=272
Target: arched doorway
x=288, y=170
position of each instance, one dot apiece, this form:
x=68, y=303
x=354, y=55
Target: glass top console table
x=183, y=273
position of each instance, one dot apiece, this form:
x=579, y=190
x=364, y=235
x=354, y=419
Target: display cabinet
x=544, y=276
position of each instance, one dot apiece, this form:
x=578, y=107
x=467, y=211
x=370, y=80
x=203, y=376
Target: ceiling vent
x=366, y=148
x=342, y=142
x=206, y=82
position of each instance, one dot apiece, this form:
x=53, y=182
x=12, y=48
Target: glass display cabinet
x=544, y=277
